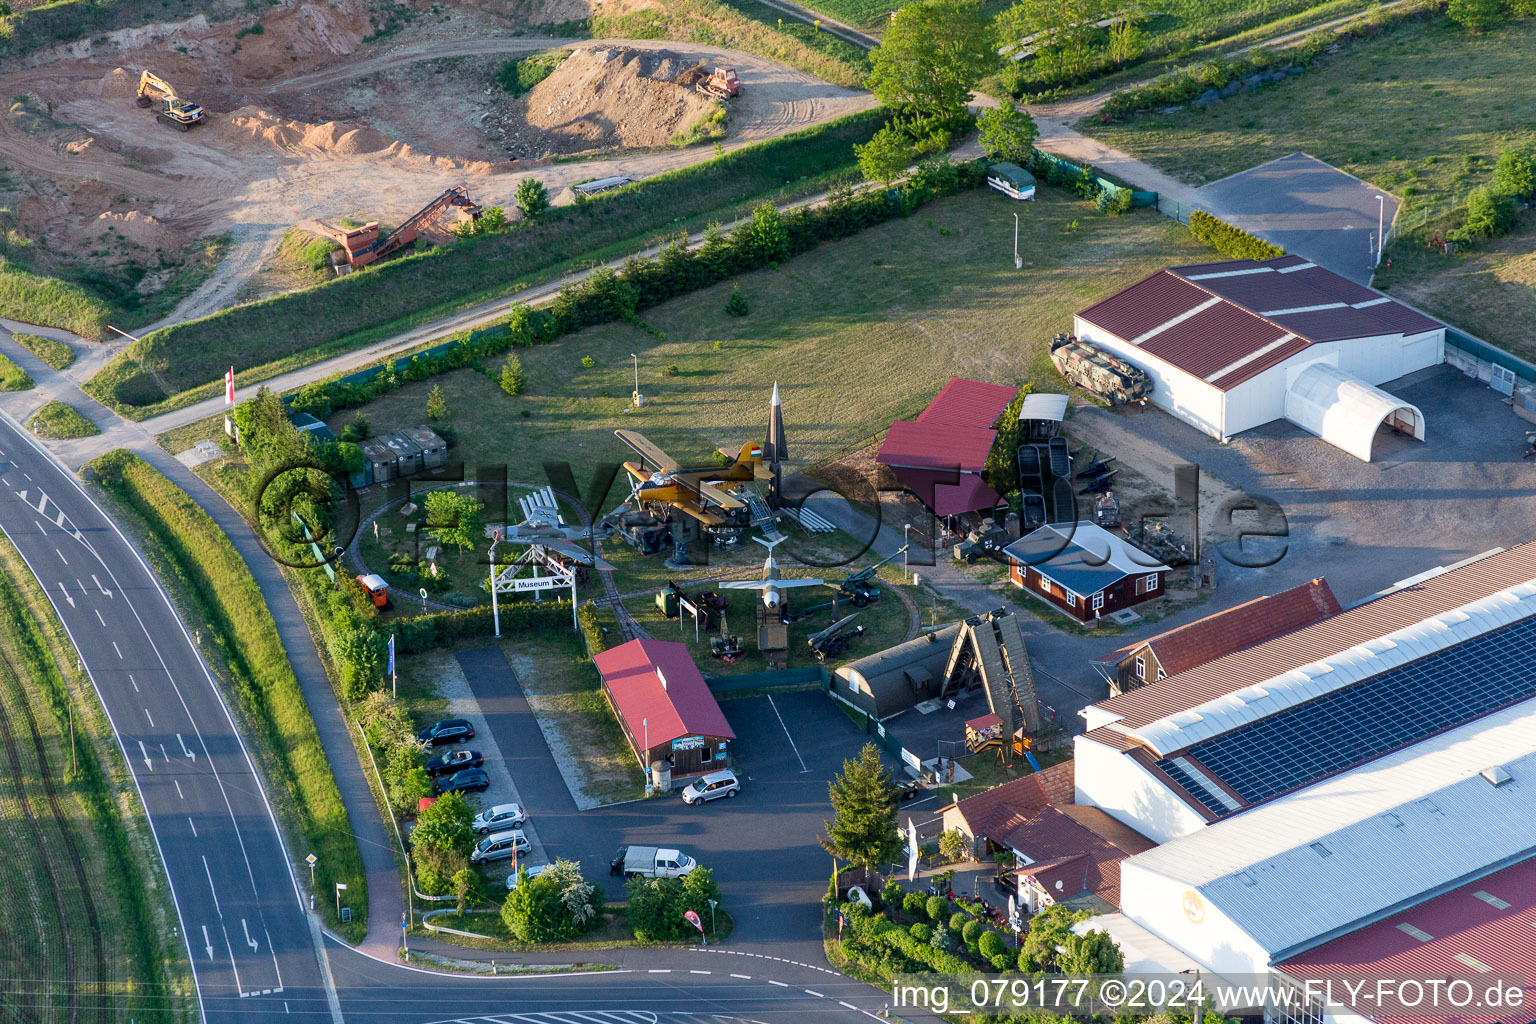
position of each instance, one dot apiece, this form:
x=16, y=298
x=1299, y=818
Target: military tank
x=1094, y=369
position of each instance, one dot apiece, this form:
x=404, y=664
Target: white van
x=712, y=787
x=499, y=847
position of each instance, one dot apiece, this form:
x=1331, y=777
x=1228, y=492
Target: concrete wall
x=1127, y=792
x=1174, y=911
x=1185, y=395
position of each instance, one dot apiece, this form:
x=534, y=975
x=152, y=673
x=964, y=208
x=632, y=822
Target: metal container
x=407, y=453
x=379, y=459
x=434, y=450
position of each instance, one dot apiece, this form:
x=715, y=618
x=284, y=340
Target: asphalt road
x=256, y=951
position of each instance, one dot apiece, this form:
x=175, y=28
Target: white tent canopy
x=1345, y=411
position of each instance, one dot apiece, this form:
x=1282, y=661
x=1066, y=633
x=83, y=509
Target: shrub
x=990, y=945
x=670, y=370
x=437, y=403
x=915, y=904
x=512, y=378
x=937, y=907
x=1513, y=175
x=892, y=894
x=532, y=197
x=1001, y=962
x=445, y=825
x=1477, y=15
x=952, y=845
x=921, y=932
x=555, y=906
x=1230, y=241
x=736, y=305
x=970, y=931
x=588, y=362
x=958, y=920
x=466, y=886
x=1488, y=215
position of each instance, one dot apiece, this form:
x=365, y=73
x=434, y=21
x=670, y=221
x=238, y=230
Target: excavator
x=364, y=245
x=174, y=111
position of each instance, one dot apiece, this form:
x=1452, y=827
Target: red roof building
x=1227, y=346
x=664, y=706
x=1486, y=927
x=939, y=456
x=1215, y=636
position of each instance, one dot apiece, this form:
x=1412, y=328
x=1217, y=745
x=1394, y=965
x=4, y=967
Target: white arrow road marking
x=63, y=590
x=184, y=750
x=147, y=762
x=248, y=940
x=96, y=581
x=207, y=942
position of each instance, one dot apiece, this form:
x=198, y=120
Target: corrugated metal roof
x=1450, y=824
x=1043, y=407
x=1428, y=940
x=1258, y=303
x=657, y=682
x=1339, y=670
x=1396, y=610
x=1237, y=628
x=938, y=445
x=970, y=403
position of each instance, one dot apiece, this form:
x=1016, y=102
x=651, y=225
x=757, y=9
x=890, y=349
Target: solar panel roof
x=1297, y=747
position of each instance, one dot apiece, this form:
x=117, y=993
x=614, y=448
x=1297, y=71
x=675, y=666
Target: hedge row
x=299, y=327
x=605, y=295
x=1230, y=241
x=219, y=585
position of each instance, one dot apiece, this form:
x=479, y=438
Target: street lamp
x=1381, y=217
x=906, y=529
x=645, y=769
x=1018, y=261
x=495, y=609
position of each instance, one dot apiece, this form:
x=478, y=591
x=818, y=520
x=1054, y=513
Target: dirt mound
x=139, y=228
x=339, y=138
x=119, y=84
x=602, y=97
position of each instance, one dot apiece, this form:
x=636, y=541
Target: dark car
x=453, y=761
x=461, y=782
x=451, y=730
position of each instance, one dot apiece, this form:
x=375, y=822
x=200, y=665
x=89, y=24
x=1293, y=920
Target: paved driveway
x=1306, y=207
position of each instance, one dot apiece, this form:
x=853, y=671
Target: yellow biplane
x=698, y=493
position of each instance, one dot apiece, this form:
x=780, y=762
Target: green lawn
x=1422, y=111
x=13, y=377
x=59, y=422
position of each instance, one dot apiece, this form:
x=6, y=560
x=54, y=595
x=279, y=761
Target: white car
x=712, y=787
x=500, y=818
x=499, y=847
x=533, y=872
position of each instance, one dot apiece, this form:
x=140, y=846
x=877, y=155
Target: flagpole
x=394, y=678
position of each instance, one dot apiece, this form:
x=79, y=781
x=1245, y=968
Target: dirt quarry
x=322, y=112
x=604, y=97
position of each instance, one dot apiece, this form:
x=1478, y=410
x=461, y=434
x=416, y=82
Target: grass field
x=72, y=947
x=59, y=422
x=186, y=362
x=55, y=353
x=1441, y=104
x=858, y=332
x=13, y=377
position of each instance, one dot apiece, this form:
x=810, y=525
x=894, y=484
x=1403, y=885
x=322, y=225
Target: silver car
x=499, y=847
x=712, y=787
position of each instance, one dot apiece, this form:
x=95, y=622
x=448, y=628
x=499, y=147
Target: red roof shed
x=662, y=700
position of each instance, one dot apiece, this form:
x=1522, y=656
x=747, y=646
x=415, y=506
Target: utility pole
x=1381, y=219
x=495, y=608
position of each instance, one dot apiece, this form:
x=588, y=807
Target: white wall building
x=1231, y=346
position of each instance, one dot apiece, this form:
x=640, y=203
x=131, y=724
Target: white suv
x=499, y=819
x=712, y=787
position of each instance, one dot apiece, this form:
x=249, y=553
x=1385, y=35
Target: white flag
x=911, y=850
x=1013, y=913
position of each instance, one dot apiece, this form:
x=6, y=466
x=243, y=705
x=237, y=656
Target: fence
x=788, y=678
x=1481, y=360
x=1046, y=162
x=876, y=731
x=1174, y=209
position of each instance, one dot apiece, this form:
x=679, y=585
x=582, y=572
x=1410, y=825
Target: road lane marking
x=135, y=685
x=40, y=528
x=743, y=977
x=178, y=790
x=184, y=751
x=843, y=1002
x=65, y=591
x=96, y=581
x=803, y=768
x=778, y=983
x=190, y=822
x=163, y=755
x=660, y=970
x=116, y=648
x=61, y=556
x=207, y=942
x=83, y=591
x=213, y=888
x=813, y=992
x=100, y=619
x=145, y=751
x=698, y=972
x=151, y=720
x=255, y=946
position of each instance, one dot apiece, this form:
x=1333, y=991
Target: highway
x=256, y=951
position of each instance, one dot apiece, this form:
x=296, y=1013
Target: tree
x=952, y=845
x=445, y=825
x=532, y=197
x=1001, y=470
x=488, y=221
x=1094, y=953
x=1514, y=174
x=437, y=403
x=655, y=912
x=933, y=54
x=1477, y=15
x=466, y=886
x=405, y=776
x=512, y=378
x=1060, y=31
x=1050, y=928
x=767, y=235
x=1127, y=41
x=453, y=518
x=553, y=907
x=885, y=156
x=699, y=889
x=360, y=653
x=1488, y=215
x=863, y=829
x=1007, y=133
x=736, y=305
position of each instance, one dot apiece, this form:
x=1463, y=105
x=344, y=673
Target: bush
x=921, y=932
x=554, y=907
x=1488, y=215
x=990, y=945
x=591, y=629
x=511, y=378
x=532, y=197
x=915, y=903
x=958, y=920
x=952, y=845
x=220, y=587
x=736, y=305
x=937, y=907
x=57, y=354
x=892, y=894
x=970, y=931
x=657, y=905
x=1230, y=241
x=1001, y=962
x=1477, y=15
x=1513, y=175
x=523, y=73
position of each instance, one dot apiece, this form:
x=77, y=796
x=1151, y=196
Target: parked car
x=909, y=789
x=450, y=730
x=499, y=847
x=462, y=782
x=533, y=872
x=712, y=787
x=500, y=818
x=454, y=761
